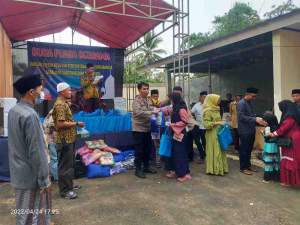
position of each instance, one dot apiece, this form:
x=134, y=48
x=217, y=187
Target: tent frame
x=137, y=13
x=179, y=22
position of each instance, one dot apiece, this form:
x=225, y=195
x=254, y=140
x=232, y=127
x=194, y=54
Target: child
x=271, y=156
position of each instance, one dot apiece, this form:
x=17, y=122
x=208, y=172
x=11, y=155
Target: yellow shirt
x=62, y=112
x=90, y=90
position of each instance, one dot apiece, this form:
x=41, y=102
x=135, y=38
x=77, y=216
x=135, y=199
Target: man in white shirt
x=199, y=134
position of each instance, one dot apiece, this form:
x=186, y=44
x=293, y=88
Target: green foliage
x=148, y=53
x=282, y=9
x=238, y=18
x=197, y=39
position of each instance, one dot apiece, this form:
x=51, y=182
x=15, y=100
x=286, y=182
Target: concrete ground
x=235, y=199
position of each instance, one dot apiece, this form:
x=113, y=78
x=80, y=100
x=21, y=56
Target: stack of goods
x=104, y=161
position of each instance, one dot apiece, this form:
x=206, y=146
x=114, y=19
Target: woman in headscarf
x=179, y=118
x=289, y=127
x=216, y=160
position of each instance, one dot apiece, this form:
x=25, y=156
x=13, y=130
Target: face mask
x=38, y=100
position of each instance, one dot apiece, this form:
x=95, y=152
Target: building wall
x=235, y=81
x=6, y=77
x=286, y=63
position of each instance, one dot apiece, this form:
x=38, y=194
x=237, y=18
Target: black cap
x=203, y=93
x=295, y=91
x=154, y=92
x=252, y=90
x=177, y=88
x=89, y=65
x=26, y=83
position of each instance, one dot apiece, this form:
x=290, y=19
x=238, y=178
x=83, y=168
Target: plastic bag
x=165, y=144
x=225, y=137
x=82, y=133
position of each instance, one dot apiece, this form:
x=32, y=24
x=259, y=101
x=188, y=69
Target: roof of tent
x=23, y=21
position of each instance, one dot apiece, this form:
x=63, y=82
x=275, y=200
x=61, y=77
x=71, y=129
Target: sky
x=202, y=13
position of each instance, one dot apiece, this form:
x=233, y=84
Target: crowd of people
x=201, y=125
x=30, y=151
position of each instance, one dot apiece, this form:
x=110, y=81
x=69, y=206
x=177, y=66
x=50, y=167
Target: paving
x=235, y=199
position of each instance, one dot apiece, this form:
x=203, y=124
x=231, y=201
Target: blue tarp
x=105, y=122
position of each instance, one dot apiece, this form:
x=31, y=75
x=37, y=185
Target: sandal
x=285, y=185
x=183, y=179
x=246, y=172
x=171, y=175
x=252, y=170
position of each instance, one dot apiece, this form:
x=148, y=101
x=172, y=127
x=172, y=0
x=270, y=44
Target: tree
x=150, y=51
x=282, y=9
x=131, y=73
x=237, y=18
x=197, y=39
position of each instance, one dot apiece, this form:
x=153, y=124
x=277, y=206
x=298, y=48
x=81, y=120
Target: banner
x=67, y=63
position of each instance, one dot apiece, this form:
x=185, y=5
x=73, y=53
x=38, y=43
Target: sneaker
x=69, y=195
x=150, y=170
x=77, y=187
x=140, y=174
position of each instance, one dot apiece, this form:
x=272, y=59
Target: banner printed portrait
x=66, y=63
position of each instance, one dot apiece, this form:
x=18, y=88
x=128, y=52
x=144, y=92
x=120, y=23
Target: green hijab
x=211, y=103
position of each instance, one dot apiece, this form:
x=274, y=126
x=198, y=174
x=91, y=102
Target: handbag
x=165, y=144
x=284, y=142
x=225, y=137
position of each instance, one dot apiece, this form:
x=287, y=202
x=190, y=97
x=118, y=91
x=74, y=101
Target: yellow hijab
x=211, y=103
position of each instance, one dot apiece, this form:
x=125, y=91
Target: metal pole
x=169, y=80
x=210, y=80
x=178, y=42
x=188, y=51
x=174, y=46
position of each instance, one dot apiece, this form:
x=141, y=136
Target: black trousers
x=66, y=160
x=142, y=147
x=195, y=135
x=203, y=140
x=245, y=149
x=236, y=139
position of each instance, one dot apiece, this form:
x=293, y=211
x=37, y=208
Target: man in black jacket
x=247, y=121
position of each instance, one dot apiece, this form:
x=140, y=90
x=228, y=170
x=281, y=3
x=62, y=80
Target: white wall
x=286, y=63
